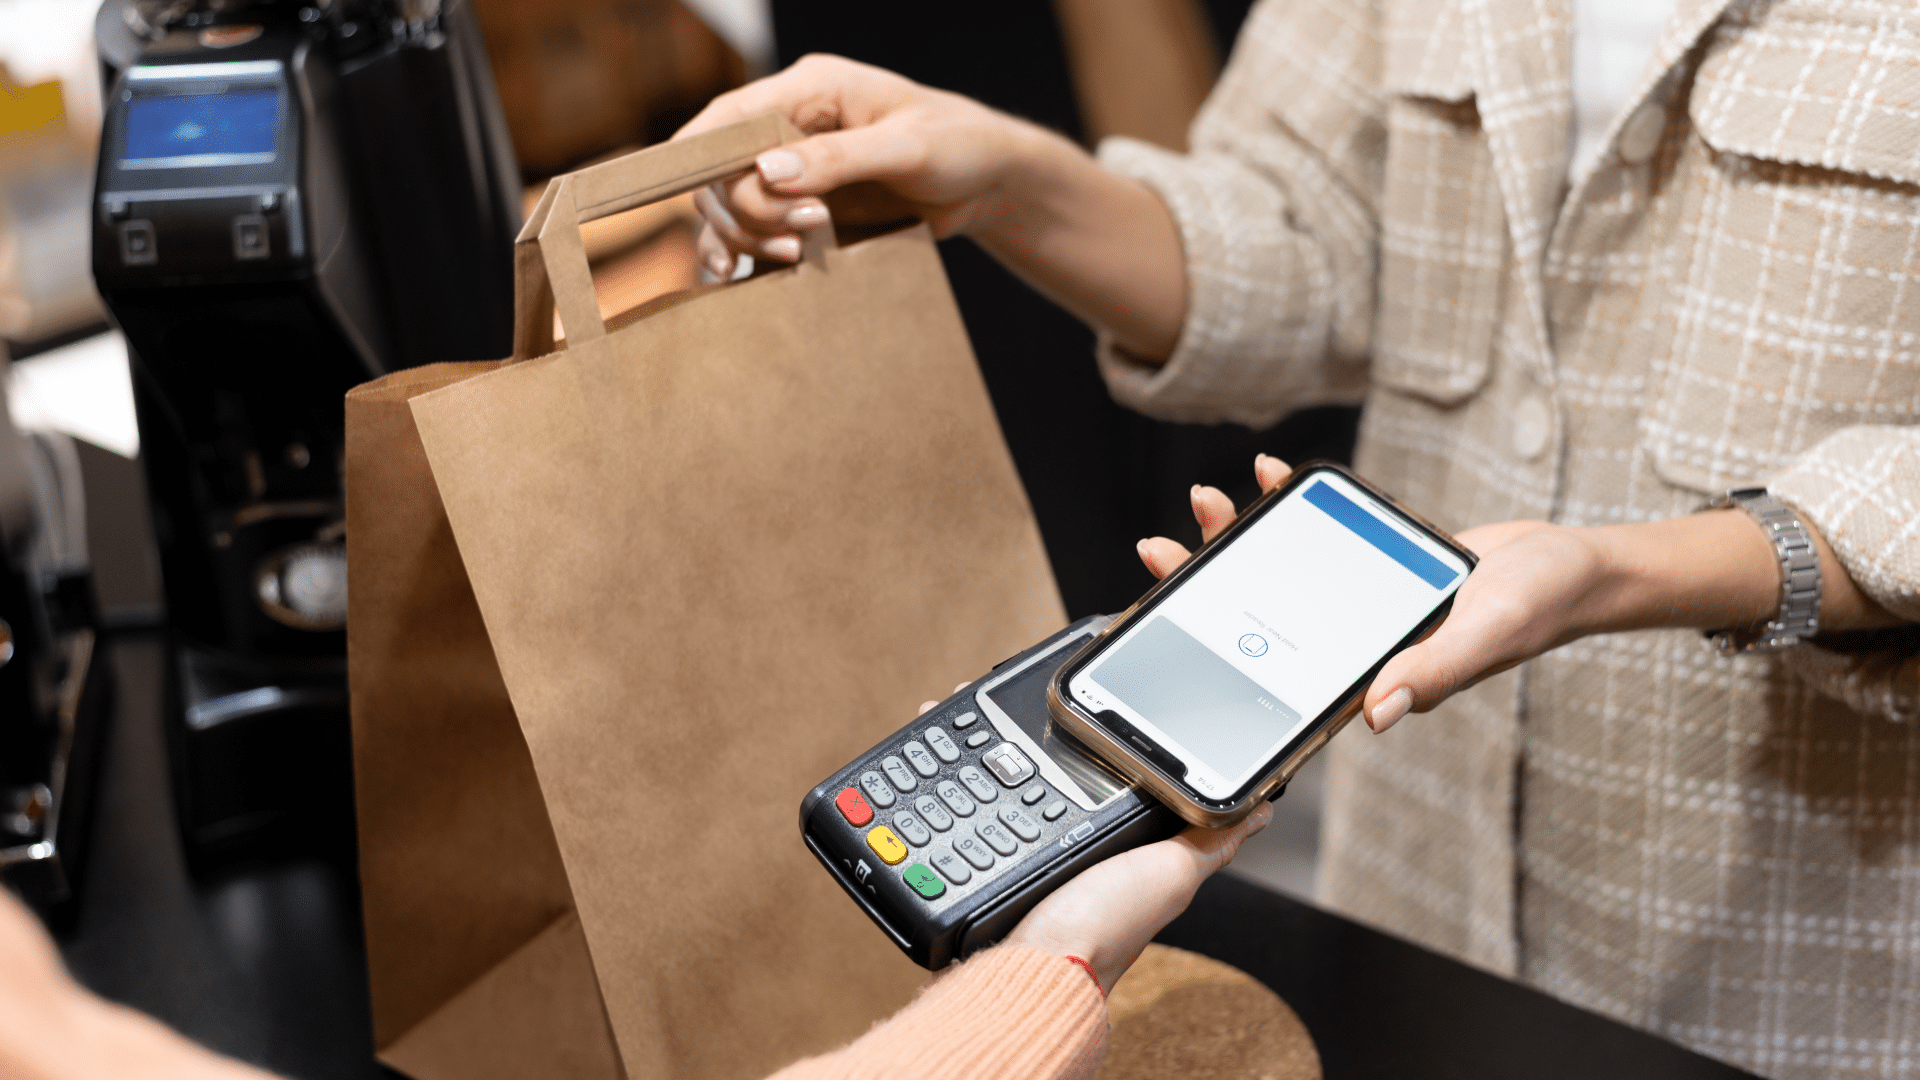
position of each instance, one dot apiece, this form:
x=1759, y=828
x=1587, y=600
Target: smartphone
x=1233, y=671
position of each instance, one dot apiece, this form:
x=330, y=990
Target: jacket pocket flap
x=1804, y=84
x=1429, y=52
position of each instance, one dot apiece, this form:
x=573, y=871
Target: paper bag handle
x=549, y=259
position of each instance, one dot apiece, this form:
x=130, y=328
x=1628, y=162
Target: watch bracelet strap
x=1799, y=616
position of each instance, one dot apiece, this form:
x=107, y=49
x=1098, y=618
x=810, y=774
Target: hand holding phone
x=1245, y=660
x=1537, y=586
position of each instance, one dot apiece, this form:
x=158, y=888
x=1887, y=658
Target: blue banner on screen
x=202, y=129
x=1381, y=535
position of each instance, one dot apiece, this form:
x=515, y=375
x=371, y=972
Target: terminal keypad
x=940, y=826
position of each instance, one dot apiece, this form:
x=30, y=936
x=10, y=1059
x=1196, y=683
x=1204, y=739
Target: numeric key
x=996, y=837
x=933, y=813
x=916, y=833
x=973, y=851
x=1012, y=817
x=922, y=761
x=978, y=784
x=897, y=772
x=943, y=745
x=955, y=799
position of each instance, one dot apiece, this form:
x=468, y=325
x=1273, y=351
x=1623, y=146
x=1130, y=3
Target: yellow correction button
x=886, y=845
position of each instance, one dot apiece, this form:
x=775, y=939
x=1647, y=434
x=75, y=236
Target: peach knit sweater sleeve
x=1010, y=1013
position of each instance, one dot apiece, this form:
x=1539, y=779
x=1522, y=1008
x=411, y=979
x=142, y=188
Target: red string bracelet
x=1091, y=974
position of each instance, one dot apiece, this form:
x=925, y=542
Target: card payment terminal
x=953, y=828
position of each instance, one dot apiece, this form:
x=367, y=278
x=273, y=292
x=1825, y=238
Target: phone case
x=1132, y=762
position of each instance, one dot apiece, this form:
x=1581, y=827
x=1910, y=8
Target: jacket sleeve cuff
x=1860, y=488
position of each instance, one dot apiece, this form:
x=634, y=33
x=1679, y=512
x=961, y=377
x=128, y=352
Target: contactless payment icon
x=1253, y=645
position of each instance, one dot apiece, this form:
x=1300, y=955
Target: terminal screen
x=1024, y=699
x=1274, y=629
x=197, y=130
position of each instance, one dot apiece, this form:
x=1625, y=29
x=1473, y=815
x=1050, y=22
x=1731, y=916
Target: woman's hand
x=1539, y=586
x=1111, y=911
x=934, y=155
x=883, y=148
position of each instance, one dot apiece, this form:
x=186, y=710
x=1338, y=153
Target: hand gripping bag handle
x=549, y=259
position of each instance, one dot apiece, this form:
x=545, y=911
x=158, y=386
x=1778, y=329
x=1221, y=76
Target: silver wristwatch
x=1799, y=617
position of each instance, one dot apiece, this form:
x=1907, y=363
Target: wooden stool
x=1179, y=1014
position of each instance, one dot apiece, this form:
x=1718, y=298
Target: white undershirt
x=1612, y=42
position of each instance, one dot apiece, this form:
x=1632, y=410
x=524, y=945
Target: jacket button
x=1532, y=426
x=1640, y=135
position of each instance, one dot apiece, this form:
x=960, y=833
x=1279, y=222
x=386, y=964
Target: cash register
x=292, y=197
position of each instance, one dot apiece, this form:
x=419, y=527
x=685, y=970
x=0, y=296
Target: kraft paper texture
x=616, y=609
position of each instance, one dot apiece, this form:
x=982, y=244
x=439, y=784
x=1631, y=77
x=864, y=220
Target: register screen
x=1271, y=631
x=186, y=130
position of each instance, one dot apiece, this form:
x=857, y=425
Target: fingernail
x=806, y=216
x=1141, y=548
x=720, y=265
x=1261, y=818
x=785, y=248
x=1390, y=710
x=778, y=165
x=1261, y=459
x=1195, y=493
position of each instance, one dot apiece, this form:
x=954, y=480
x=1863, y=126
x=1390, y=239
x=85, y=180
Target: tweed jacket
x=1722, y=851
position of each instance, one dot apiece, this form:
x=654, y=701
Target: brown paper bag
x=715, y=552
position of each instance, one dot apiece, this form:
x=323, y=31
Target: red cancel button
x=853, y=806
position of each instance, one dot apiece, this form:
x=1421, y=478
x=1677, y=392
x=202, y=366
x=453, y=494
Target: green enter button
x=925, y=882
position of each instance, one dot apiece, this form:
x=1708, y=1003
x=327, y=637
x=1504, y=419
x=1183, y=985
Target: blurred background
x=181, y=306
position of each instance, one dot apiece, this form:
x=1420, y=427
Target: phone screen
x=1275, y=628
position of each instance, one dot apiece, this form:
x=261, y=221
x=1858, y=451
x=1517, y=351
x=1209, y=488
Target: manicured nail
x=1260, y=818
x=778, y=165
x=1195, y=492
x=1261, y=459
x=1141, y=548
x=784, y=248
x=721, y=266
x=1390, y=710
x=806, y=216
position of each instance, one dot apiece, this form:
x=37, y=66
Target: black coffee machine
x=293, y=196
